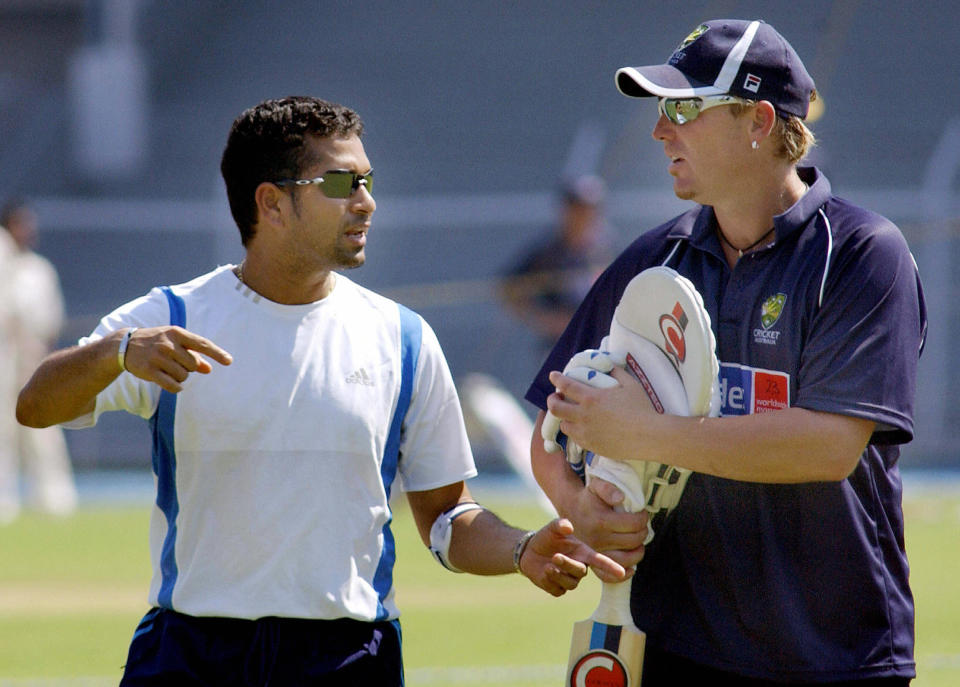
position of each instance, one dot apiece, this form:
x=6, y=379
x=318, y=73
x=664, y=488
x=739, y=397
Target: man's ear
x=764, y=118
x=270, y=204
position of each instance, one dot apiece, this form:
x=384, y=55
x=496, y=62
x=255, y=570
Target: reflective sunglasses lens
x=681, y=110
x=688, y=110
x=343, y=184
x=337, y=184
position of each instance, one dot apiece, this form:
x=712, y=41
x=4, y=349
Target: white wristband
x=122, y=351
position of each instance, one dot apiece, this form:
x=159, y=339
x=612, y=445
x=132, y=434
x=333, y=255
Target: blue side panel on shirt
x=165, y=467
x=410, y=337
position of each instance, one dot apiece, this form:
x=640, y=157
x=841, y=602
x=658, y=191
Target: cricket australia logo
x=678, y=55
x=694, y=35
x=770, y=312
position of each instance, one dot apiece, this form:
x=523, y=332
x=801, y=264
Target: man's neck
x=746, y=221
x=284, y=285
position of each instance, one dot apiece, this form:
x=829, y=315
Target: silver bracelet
x=122, y=351
x=520, y=547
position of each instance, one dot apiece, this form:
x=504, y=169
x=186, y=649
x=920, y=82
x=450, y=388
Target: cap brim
x=661, y=80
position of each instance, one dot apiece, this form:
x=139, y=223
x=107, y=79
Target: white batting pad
x=661, y=333
x=661, y=306
x=651, y=367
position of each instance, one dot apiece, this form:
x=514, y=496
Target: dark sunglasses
x=335, y=183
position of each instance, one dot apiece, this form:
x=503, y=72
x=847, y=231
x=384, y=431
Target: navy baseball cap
x=748, y=59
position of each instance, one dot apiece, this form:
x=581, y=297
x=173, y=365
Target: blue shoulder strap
x=410, y=339
x=165, y=466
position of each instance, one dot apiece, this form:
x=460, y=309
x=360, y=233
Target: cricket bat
x=680, y=375
x=607, y=648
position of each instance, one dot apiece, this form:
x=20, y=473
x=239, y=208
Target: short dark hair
x=266, y=143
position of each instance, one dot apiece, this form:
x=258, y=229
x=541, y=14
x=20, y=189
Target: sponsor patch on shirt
x=747, y=390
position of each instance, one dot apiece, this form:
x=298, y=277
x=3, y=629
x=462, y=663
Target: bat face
x=603, y=655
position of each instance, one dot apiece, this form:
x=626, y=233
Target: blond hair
x=794, y=137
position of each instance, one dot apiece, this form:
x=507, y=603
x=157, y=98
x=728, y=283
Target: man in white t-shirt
x=270, y=536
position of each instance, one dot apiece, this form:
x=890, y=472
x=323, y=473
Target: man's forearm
x=67, y=382
x=552, y=473
x=483, y=544
x=792, y=445
x=786, y=446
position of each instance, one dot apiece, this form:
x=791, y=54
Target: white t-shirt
x=273, y=490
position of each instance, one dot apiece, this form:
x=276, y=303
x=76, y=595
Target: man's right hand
x=592, y=509
x=167, y=355
x=66, y=384
x=619, y=535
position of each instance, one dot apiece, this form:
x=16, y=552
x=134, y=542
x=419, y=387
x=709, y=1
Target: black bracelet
x=520, y=547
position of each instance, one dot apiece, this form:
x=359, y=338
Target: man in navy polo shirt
x=784, y=561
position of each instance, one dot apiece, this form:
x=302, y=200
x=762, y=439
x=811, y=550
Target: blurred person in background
x=549, y=281
x=40, y=456
x=9, y=488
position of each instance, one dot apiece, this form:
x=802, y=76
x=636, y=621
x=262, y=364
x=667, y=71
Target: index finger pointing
x=199, y=344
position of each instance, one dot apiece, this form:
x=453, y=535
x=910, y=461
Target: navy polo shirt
x=791, y=582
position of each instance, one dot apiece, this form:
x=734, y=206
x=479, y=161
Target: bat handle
x=614, y=606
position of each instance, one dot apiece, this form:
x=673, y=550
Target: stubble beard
x=350, y=259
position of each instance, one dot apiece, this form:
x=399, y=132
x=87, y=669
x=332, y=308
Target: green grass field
x=72, y=590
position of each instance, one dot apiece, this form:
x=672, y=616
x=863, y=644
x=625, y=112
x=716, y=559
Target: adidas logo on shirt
x=360, y=377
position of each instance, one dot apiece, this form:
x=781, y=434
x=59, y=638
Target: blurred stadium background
x=114, y=114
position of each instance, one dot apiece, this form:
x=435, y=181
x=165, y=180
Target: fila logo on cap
x=752, y=83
